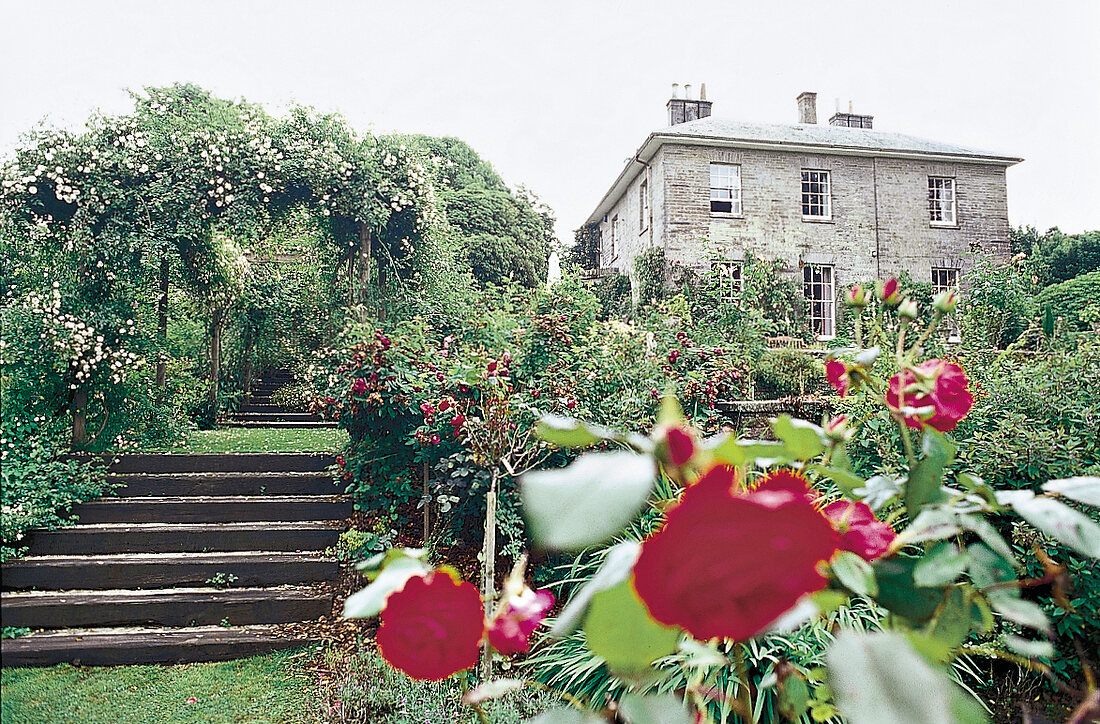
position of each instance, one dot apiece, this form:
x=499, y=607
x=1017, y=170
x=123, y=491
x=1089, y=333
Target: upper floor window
x=643, y=205
x=816, y=199
x=732, y=281
x=820, y=288
x=941, y=201
x=725, y=188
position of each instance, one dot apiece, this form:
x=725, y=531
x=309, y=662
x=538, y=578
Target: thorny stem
x=481, y=716
x=901, y=342
x=927, y=332
x=859, y=329
x=907, y=442
x=743, y=675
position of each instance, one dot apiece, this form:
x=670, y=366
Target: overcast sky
x=558, y=94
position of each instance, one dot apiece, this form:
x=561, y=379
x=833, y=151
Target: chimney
x=850, y=119
x=682, y=110
x=807, y=107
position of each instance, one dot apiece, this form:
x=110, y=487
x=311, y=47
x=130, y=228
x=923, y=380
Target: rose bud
x=857, y=296
x=888, y=292
x=908, y=309
x=837, y=429
x=444, y=405
x=518, y=616
x=945, y=302
x=836, y=372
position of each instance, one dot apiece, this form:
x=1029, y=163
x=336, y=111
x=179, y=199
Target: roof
x=801, y=137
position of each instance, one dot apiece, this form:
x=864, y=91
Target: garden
x=560, y=512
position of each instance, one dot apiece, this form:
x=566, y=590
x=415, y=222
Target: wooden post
x=162, y=327
x=215, y=358
x=427, y=507
x=80, y=417
x=489, y=569
x=364, y=261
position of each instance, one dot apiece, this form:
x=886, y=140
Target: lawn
x=262, y=689
x=258, y=439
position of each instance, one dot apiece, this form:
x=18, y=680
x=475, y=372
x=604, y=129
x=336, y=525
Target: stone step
x=222, y=462
x=165, y=570
x=182, y=538
x=275, y=416
x=114, y=647
x=191, y=484
x=258, y=407
x=252, y=423
x=172, y=607
x=215, y=509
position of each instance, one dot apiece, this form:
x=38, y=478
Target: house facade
x=840, y=203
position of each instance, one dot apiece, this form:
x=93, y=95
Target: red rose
x=517, y=618
x=681, y=446
x=431, y=628
x=935, y=393
x=359, y=386
x=860, y=531
x=728, y=565
x=837, y=374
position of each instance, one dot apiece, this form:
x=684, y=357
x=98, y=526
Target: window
x=643, y=205
x=815, y=195
x=941, y=201
x=819, y=287
x=732, y=281
x=725, y=189
x=945, y=279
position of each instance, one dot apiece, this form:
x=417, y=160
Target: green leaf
x=372, y=599
x=699, y=655
x=654, y=709
x=855, y=573
x=926, y=477
x=1084, y=489
x=794, y=696
x=848, y=481
x=569, y=433
x=899, y=593
x=878, y=678
x=1022, y=612
x=941, y=566
x=989, y=569
x=933, y=523
x=563, y=715
x=879, y=490
x=1062, y=523
x=827, y=600
x=729, y=450
x=492, y=690
x=617, y=566
x=952, y=624
x=989, y=535
x=1029, y=647
x=589, y=501
x=803, y=440
x=619, y=629
x=374, y=565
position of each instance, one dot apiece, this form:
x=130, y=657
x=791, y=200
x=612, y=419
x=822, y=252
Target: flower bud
x=888, y=292
x=945, y=302
x=857, y=296
x=908, y=309
x=838, y=430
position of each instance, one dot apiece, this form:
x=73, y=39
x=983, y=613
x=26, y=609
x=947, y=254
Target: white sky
x=558, y=94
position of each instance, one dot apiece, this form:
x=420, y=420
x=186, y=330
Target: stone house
x=841, y=203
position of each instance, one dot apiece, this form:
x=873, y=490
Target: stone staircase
x=143, y=578
x=260, y=411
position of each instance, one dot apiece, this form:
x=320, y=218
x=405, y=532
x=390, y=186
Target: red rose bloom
x=728, y=565
x=511, y=628
x=359, y=386
x=431, y=628
x=860, y=531
x=681, y=447
x=934, y=393
x=837, y=374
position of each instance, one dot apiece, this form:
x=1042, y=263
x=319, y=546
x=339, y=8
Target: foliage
x=585, y=252
x=998, y=305
x=650, y=276
x=1076, y=300
x=787, y=373
x=505, y=238
x=1058, y=257
x=613, y=292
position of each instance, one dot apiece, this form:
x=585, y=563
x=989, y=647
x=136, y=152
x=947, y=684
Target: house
x=842, y=202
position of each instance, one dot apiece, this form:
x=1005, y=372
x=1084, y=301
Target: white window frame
x=824, y=181
x=643, y=206
x=821, y=293
x=725, y=187
x=734, y=272
x=946, y=279
x=941, y=211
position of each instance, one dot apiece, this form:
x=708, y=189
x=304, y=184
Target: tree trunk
x=215, y=358
x=162, y=329
x=364, y=262
x=80, y=417
x=489, y=568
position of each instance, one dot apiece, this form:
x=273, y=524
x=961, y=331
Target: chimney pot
x=807, y=107
x=682, y=110
x=675, y=90
x=687, y=92
x=702, y=91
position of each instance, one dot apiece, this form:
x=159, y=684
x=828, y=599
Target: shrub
x=787, y=373
x=1073, y=300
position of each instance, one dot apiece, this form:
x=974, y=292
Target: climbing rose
x=728, y=565
x=510, y=629
x=359, y=386
x=860, y=531
x=431, y=628
x=934, y=393
x=837, y=374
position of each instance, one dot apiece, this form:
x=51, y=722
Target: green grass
x=254, y=439
x=262, y=689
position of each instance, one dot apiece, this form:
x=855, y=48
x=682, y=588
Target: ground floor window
x=945, y=279
x=732, y=282
x=819, y=284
